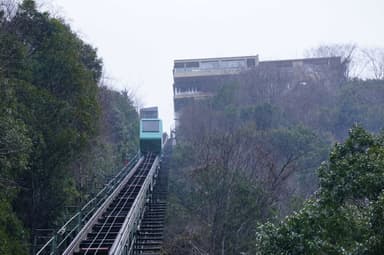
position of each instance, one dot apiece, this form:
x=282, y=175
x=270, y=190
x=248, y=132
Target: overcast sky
x=138, y=40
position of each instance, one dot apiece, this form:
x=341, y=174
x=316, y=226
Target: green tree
x=15, y=146
x=53, y=76
x=59, y=132
x=345, y=216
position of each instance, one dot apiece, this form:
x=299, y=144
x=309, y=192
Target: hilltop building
x=198, y=79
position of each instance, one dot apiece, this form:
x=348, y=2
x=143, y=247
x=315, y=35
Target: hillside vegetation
x=346, y=215
x=251, y=155
x=61, y=135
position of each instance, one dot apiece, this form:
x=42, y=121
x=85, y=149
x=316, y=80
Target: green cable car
x=151, y=135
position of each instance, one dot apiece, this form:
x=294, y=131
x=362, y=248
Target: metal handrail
x=197, y=250
x=134, y=213
x=121, y=204
x=101, y=208
x=69, y=230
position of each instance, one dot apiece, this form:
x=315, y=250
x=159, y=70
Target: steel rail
x=63, y=235
x=86, y=229
x=134, y=214
x=128, y=193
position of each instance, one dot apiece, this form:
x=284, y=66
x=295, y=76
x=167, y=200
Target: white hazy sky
x=138, y=40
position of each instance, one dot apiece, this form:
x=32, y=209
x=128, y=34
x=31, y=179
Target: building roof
x=302, y=59
x=215, y=59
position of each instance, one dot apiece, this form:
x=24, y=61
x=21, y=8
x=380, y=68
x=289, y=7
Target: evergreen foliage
x=346, y=214
x=59, y=131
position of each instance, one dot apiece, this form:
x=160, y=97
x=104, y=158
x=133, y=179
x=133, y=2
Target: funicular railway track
x=112, y=222
x=149, y=238
x=105, y=233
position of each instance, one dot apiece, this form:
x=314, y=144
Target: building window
x=209, y=65
x=232, y=64
x=179, y=65
x=251, y=62
x=192, y=64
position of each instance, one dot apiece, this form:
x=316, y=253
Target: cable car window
x=150, y=126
